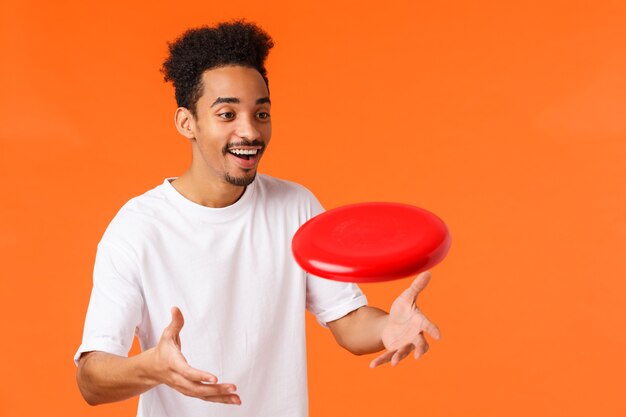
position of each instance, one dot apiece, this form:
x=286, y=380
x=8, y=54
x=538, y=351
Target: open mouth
x=244, y=153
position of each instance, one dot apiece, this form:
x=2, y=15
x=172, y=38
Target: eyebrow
x=235, y=100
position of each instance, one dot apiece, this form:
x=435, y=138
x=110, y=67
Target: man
x=215, y=244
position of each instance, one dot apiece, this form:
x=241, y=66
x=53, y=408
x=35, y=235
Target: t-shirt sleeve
x=330, y=300
x=116, y=303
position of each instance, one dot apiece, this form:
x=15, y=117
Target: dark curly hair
x=197, y=50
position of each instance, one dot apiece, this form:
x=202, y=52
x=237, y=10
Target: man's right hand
x=171, y=368
x=103, y=377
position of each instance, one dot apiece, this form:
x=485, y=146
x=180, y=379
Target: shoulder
x=137, y=216
x=287, y=197
x=283, y=189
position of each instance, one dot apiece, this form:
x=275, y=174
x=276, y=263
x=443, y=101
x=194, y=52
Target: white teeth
x=244, y=151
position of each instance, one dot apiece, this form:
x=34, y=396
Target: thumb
x=177, y=323
x=416, y=287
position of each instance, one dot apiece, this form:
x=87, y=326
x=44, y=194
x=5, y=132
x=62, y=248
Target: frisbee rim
x=438, y=244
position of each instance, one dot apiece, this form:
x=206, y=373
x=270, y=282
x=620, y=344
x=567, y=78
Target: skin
x=220, y=125
x=214, y=179
x=369, y=329
x=104, y=378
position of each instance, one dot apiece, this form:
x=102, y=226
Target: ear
x=185, y=123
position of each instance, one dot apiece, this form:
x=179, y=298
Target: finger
x=225, y=399
x=402, y=353
x=421, y=347
x=421, y=321
x=202, y=390
x=384, y=358
x=418, y=284
x=196, y=375
x=177, y=323
x=213, y=390
x=432, y=329
x=421, y=351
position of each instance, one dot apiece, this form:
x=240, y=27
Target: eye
x=263, y=115
x=227, y=115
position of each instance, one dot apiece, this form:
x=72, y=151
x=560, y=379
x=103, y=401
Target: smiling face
x=232, y=126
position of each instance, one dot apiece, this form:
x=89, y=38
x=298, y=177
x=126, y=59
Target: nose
x=247, y=129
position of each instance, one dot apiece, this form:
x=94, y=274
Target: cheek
x=267, y=132
x=212, y=141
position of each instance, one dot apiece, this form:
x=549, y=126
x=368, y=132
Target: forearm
x=360, y=331
x=104, y=378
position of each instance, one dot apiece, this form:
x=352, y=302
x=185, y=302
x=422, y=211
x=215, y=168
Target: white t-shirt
x=231, y=272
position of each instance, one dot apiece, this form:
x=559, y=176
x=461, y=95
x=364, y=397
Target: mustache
x=232, y=145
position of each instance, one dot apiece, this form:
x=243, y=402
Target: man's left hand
x=405, y=328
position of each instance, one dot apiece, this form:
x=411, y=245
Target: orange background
x=507, y=119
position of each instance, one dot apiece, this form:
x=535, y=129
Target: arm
x=369, y=329
x=103, y=377
x=360, y=331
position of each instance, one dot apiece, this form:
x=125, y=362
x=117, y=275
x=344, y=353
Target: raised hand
x=173, y=370
x=405, y=328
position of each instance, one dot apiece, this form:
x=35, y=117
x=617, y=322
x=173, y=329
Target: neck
x=206, y=191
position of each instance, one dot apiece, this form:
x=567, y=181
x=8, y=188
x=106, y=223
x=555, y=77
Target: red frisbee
x=371, y=242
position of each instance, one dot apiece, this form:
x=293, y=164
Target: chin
x=240, y=181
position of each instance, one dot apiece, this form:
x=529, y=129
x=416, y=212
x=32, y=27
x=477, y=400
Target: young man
x=215, y=243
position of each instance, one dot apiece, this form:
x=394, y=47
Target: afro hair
x=200, y=49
